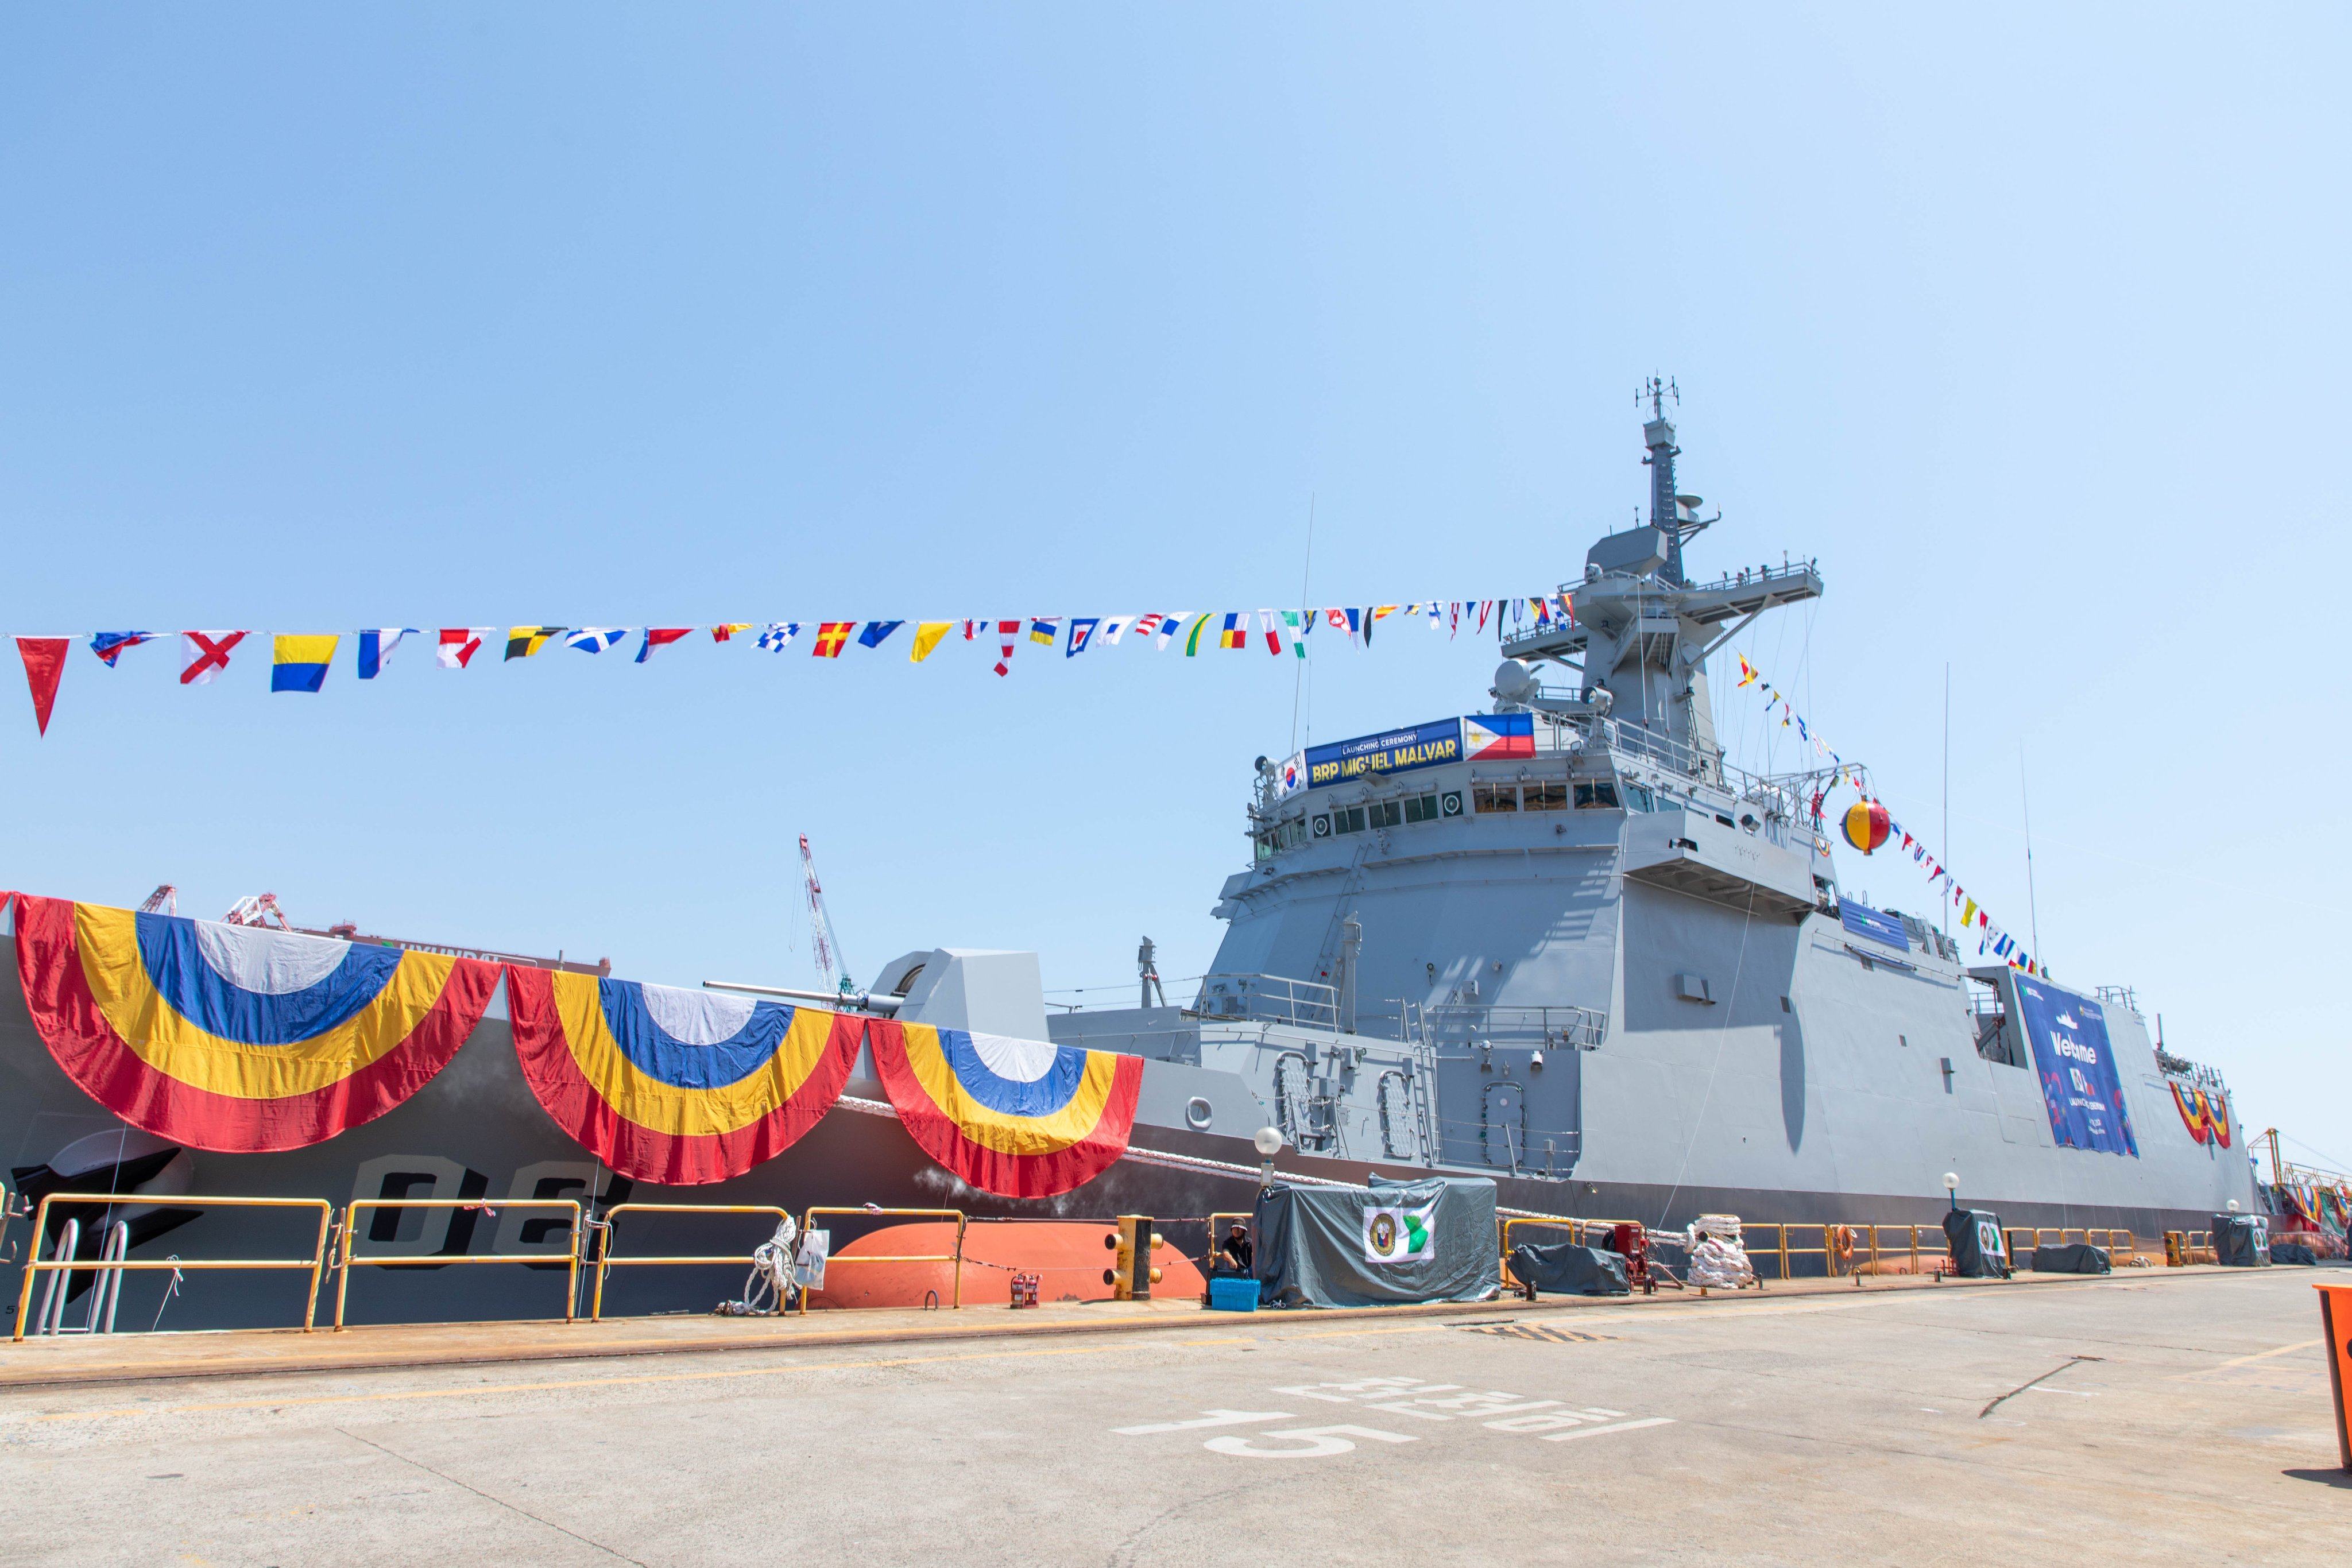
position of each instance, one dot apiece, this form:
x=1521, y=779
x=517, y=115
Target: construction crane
x=258, y=909
x=165, y=900
x=828, y=947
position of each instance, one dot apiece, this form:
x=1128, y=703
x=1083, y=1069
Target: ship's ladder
x=1341, y=901
x=1424, y=1087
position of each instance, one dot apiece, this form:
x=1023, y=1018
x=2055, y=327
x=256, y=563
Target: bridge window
x=1596, y=795
x=1347, y=819
x=1421, y=809
x=1543, y=798
x=1386, y=813
x=1484, y=798
x=1638, y=798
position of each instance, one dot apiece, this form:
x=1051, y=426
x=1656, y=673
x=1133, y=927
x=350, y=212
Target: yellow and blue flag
x=298, y=661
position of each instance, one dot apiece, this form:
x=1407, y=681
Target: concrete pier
x=2150, y=1416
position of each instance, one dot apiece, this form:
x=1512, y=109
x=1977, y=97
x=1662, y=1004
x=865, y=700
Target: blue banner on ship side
x=2077, y=1068
x=1864, y=921
x=1397, y=751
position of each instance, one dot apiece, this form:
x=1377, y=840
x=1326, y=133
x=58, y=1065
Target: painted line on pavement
x=637, y=1380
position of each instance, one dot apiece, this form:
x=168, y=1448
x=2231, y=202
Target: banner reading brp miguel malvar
x=2077, y=1064
x=1395, y=751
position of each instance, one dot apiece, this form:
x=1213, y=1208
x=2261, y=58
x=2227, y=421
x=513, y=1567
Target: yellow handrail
x=1573, y=1227
x=36, y=1264
x=808, y=1223
x=350, y=1258
x=606, y=1260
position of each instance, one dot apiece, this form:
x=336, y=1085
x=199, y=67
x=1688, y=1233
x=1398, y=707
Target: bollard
x=2336, y=1322
x=1131, y=1275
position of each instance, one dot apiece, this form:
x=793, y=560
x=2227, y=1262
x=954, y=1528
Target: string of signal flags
x=301, y=661
x=1868, y=826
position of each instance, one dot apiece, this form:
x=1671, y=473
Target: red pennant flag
x=45, y=663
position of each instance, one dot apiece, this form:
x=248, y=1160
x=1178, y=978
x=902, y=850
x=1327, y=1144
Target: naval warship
x=1564, y=943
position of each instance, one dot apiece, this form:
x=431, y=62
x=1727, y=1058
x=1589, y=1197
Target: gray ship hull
x=475, y=1133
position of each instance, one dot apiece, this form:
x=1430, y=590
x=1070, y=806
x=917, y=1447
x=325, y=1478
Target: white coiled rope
x=768, y=1289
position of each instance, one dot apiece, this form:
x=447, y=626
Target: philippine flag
x=1499, y=735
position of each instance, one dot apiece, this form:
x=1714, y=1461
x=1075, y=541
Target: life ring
x=1841, y=1237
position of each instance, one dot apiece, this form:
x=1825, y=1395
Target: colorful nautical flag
x=1006, y=632
x=1746, y=672
x=727, y=633
x=110, y=645
x=458, y=645
x=1045, y=630
x=830, y=636
x=1235, y=631
x=594, y=639
x=1168, y=626
x=522, y=641
x=1297, y=623
x=1019, y=1118
x=661, y=637
x=235, y=1038
x=875, y=630
x=926, y=637
x=375, y=648
x=1082, y=631
x=673, y=1086
x=45, y=663
x=1270, y=623
x=1192, y=637
x=1114, y=627
x=779, y=634
x=1147, y=624
x=203, y=654
x=299, y=660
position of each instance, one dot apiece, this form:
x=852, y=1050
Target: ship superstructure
x=1567, y=941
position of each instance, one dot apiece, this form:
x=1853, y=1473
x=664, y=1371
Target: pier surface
x=2150, y=1416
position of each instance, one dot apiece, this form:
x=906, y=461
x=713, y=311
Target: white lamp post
x=1952, y=1187
x=1269, y=1143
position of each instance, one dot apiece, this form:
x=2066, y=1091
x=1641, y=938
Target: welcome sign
x=2077, y=1068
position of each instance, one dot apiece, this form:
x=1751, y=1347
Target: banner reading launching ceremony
x=1397, y=751
x=2077, y=1068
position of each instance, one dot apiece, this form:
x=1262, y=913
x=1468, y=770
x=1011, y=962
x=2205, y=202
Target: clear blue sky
x=2031, y=326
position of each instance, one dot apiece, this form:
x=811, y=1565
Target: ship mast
x=1639, y=631
x=1671, y=513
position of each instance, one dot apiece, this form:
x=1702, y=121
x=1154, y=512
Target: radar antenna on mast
x=828, y=947
x=1672, y=513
